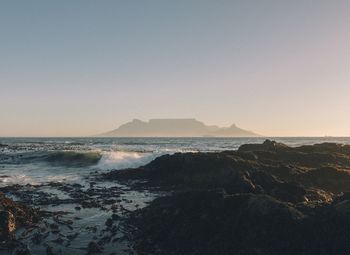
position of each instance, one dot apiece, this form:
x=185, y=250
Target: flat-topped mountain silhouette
x=176, y=128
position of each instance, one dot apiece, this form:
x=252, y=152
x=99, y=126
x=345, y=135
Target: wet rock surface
x=14, y=215
x=261, y=199
x=84, y=219
x=209, y=222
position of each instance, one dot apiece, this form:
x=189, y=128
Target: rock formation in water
x=262, y=199
x=176, y=128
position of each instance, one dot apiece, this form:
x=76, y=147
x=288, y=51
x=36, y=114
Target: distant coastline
x=176, y=128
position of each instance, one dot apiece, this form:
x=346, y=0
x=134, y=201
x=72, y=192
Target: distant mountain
x=234, y=131
x=175, y=128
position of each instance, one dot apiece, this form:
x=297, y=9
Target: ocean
x=42, y=160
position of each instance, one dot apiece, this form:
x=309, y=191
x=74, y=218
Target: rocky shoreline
x=84, y=219
x=262, y=199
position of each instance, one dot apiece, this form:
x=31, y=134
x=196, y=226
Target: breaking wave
x=124, y=159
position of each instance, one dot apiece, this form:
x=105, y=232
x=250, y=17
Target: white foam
x=17, y=179
x=24, y=179
x=123, y=159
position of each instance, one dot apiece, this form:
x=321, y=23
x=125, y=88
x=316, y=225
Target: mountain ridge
x=186, y=127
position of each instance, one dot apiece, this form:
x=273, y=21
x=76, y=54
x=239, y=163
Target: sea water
x=42, y=160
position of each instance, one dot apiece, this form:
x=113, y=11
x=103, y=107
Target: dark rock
x=90, y=204
x=327, y=178
x=268, y=145
x=287, y=173
x=37, y=238
x=54, y=226
x=212, y=223
x=49, y=251
x=343, y=207
x=94, y=248
x=209, y=222
x=262, y=199
x=115, y=217
x=24, y=251
x=14, y=215
x=73, y=236
x=59, y=240
x=109, y=222
x=7, y=225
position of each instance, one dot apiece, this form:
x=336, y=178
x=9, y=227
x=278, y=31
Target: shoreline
x=134, y=211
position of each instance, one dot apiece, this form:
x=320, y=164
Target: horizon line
x=207, y=137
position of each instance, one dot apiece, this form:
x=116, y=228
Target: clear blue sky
x=70, y=68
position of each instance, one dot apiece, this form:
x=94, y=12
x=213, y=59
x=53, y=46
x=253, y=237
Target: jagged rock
x=7, y=225
x=14, y=215
x=284, y=172
x=264, y=199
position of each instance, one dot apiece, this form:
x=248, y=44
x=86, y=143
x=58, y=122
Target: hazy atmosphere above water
x=79, y=68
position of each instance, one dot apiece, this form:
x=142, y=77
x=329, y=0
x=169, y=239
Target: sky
x=79, y=68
